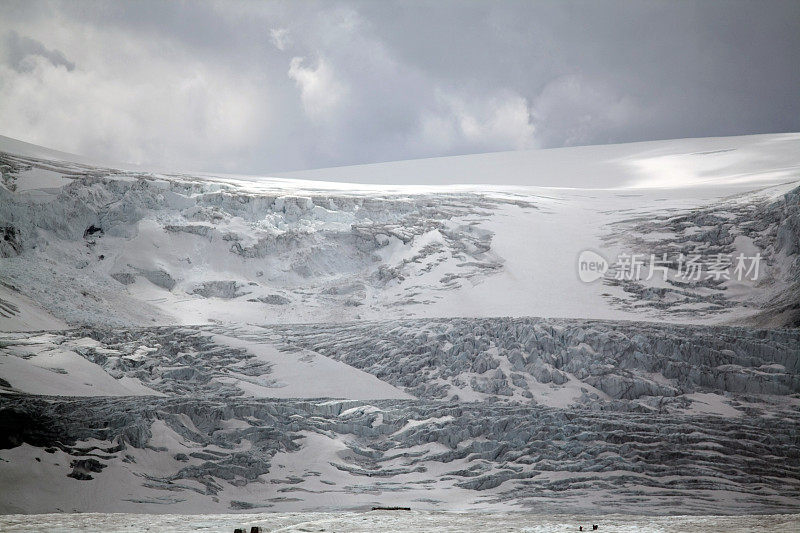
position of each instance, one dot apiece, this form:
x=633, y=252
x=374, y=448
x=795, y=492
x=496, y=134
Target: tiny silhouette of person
x=580, y=528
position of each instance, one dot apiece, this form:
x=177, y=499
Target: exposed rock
x=126, y=278
x=92, y=230
x=271, y=299
x=82, y=467
x=160, y=278
x=219, y=289
x=10, y=243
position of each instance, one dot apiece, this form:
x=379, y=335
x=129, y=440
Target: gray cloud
x=258, y=87
x=20, y=48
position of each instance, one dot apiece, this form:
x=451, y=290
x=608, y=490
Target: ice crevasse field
x=184, y=351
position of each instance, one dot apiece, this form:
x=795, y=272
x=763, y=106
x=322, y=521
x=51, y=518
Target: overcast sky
x=254, y=87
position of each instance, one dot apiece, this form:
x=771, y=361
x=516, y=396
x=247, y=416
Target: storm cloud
x=19, y=50
x=264, y=87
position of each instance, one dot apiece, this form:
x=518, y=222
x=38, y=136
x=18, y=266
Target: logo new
x=591, y=266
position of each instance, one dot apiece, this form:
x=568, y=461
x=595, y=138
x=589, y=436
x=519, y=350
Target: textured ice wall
x=528, y=413
x=95, y=236
x=750, y=223
x=489, y=454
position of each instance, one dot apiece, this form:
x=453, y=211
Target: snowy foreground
x=182, y=343
x=397, y=522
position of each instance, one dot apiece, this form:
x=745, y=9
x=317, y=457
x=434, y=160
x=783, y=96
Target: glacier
x=195, y=343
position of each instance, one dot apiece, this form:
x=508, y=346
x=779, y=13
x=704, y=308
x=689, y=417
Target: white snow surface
x=308, y=375
x=742, y=161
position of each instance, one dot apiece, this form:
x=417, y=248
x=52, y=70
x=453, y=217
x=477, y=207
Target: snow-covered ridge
x=94, y=245
x=717, y=162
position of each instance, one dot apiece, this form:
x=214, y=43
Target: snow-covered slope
x=727, y=162
x=100, y=246
x=224, y=343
